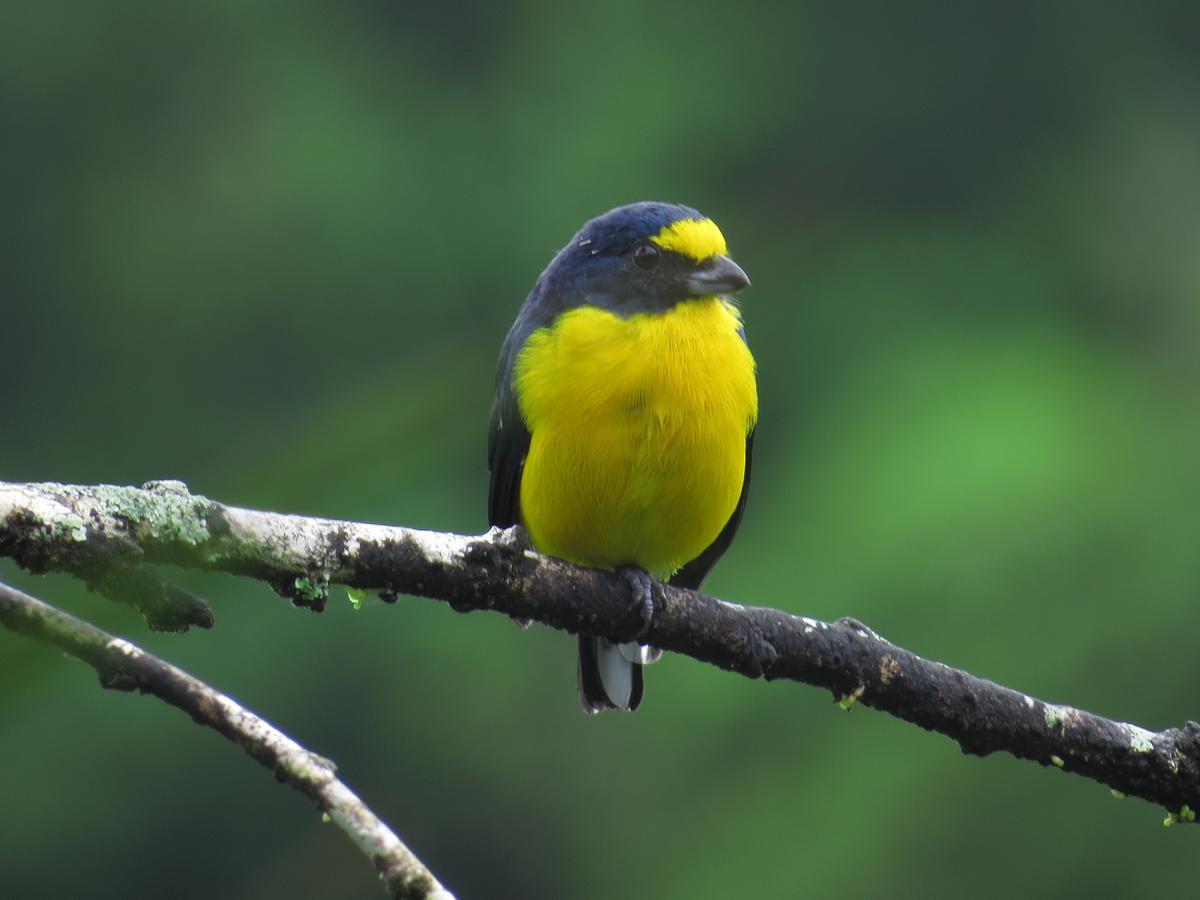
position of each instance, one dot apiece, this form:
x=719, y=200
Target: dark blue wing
x=508, y=442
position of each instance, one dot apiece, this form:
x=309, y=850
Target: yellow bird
x=624, y=415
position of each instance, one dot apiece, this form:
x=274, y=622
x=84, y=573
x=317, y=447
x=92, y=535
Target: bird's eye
x=646, y=257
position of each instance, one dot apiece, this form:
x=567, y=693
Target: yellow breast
x=638, y=432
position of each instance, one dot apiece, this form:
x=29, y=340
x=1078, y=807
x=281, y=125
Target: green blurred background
x=272, y=249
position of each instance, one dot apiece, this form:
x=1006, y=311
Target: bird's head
x=644, y=257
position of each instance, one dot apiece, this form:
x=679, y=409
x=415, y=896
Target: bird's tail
x=608, y=677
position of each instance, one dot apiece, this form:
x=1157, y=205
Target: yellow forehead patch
x=697, y=238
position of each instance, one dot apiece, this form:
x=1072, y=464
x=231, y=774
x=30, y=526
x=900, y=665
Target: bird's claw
x=643, y=588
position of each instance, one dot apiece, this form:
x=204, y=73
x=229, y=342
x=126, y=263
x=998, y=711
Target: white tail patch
x=642, y=654
x=616, y=672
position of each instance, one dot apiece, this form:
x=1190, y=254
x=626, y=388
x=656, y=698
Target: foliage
x=272, y=251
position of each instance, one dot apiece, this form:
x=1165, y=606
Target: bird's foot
x=644, y=589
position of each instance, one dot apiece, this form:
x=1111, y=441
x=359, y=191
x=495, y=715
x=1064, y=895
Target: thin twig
x=126, y=667
x=74, y=527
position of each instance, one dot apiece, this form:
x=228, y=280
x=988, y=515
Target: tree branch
x=126, y=667
x=76, y=528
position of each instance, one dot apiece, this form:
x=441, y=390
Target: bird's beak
x=717, y=275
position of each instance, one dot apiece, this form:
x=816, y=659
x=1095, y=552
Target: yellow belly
x=638, y=430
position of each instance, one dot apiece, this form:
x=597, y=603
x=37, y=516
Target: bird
x=623, y=420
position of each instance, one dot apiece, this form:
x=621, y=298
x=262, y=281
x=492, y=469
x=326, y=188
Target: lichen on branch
x=80, y=529
x=124, y=666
